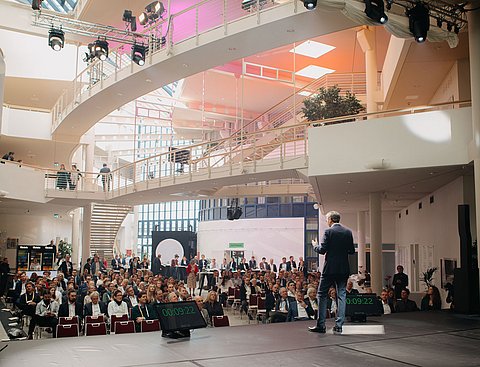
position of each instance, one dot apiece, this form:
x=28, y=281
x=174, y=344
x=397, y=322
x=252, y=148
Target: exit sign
x=236, y=245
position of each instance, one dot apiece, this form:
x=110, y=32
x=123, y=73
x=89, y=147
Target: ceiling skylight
x=60, y=6
x=314, y=71
x=312, y=49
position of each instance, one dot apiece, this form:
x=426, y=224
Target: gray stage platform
x=415, y=339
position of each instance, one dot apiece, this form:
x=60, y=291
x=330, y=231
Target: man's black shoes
x=317, y=329
x=337, y=329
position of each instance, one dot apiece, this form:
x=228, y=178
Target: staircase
x=105, y=223
x=286, y=113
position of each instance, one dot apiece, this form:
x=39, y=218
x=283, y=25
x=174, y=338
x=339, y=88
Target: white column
x=376, y=271
x=361, y=241
x=2, y=84
x=474, y=50
x=76, y=245
x=86, y=229
x=366, y=38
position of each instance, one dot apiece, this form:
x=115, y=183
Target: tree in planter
x=64, y=248
x=328, y=103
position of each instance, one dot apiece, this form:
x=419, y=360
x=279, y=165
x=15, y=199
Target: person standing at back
x=400, y=282
x=106, y=177
x=336, y=245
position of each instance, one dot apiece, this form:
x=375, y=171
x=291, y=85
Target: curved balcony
x=208, y=34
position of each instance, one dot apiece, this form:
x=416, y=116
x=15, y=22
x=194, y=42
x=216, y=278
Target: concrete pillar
x=2, y=84
x=376, y=270
x=474, y=50
x=366, y=38
x=76, y=244
x=361, y=241
x=86, y=229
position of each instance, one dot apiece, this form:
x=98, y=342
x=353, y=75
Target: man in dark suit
x=142, y=311
x=96, y=307
x=232, y=265
x=300, y=310
x=400, y=281
x=337, y=244
x=291, y=264
x=28, y=303
x=115, y=263
x=71, y=307
x=157, y=265
x=202, y=264
x=271, y=266
x=67, y=267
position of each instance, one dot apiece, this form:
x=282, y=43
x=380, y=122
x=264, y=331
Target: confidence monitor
x=175, y=316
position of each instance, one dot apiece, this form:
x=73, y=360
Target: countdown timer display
x=180, y=316
x=367, y=304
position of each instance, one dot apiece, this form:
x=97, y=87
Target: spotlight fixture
x=234, y=211
x=439, y=22
x=449, y=26
x=419, y=21
x=138, y=54
x=152, y=12
x=130, y=19
x=389, y=4
x=99, y=49
x=310, y=4
x=56, y=39
x=375, y=10
x=36, y=4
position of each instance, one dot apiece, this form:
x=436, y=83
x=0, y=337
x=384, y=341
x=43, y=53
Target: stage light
x=439, y=22
x=56, y=39
x=375, y=10
x=36, y=4
x=129, y=18
x=419, y=21
x=310, y=4
x=389, y=4
x=143, y=18
x=99, y=49
x=138, y=54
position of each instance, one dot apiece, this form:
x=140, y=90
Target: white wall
x=433, y=225
x=448, y=89
x=419, y=140
x=272, y=238
x=35, y=229
x=128, y=234
x=22, y=182
x=26, y=124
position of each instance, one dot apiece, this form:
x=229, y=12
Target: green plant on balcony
x=427, y=277
x=328, y=103
x=64, y=248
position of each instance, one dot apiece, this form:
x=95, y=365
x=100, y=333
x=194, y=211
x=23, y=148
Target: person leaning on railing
x=106, y=177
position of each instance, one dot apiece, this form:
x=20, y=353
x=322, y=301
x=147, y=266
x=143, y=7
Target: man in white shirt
x=46, y=313
x=387, y=305
x=299, y=310
x=71, y=308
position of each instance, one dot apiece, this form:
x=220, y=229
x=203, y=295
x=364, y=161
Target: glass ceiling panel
x=60, y=6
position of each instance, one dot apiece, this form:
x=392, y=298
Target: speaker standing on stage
x=337, y=244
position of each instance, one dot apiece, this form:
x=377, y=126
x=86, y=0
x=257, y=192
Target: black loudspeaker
x=466, y=281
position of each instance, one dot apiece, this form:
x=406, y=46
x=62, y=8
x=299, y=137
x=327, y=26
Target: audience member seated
x=107, y=296
x=299, y=310
x=431, y=301
x=183, y=295
x=199, y=301
x=130, y=299
x=271, y=299
x=46, y=313
x=96, y=307
x=142, y=311
x=387, y=303
x=213, y=307
x=281, y=307
x=71, y=307
x=332, y=303
x=117, y=307
x=311, y=300
x=404, y=304
x=350, y=289
x=28, y=304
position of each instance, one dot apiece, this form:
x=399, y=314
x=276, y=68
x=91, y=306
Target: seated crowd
x=289, y=295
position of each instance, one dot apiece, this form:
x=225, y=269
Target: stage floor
x=414, y=339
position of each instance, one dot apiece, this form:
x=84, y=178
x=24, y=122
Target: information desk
x=175, y=316
x=359, y=306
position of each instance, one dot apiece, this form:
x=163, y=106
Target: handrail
x=205, y=20
x=290, y=144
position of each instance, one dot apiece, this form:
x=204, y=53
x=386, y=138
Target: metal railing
x=189, y=164
x=184, y=25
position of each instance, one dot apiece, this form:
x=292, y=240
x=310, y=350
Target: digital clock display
x=367, y=304
x=180, y=316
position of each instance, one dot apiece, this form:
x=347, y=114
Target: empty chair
x=261, y=309
x=149, y=325
x=236, y=298
x=252, y=306
x=67, y=330
x=114, y=319
x=94, y=319
x=68, y=320
x=219, y=321
x=99, y=328
x=124, y=327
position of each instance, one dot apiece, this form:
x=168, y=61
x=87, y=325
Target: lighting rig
x=58, y=25
x=421, y=13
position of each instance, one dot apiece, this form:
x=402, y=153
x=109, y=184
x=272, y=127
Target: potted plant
x=64, y=248
x=427, y=277
x=328, y=103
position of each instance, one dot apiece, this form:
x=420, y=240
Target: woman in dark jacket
x=213, y=307
x=431, y=301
